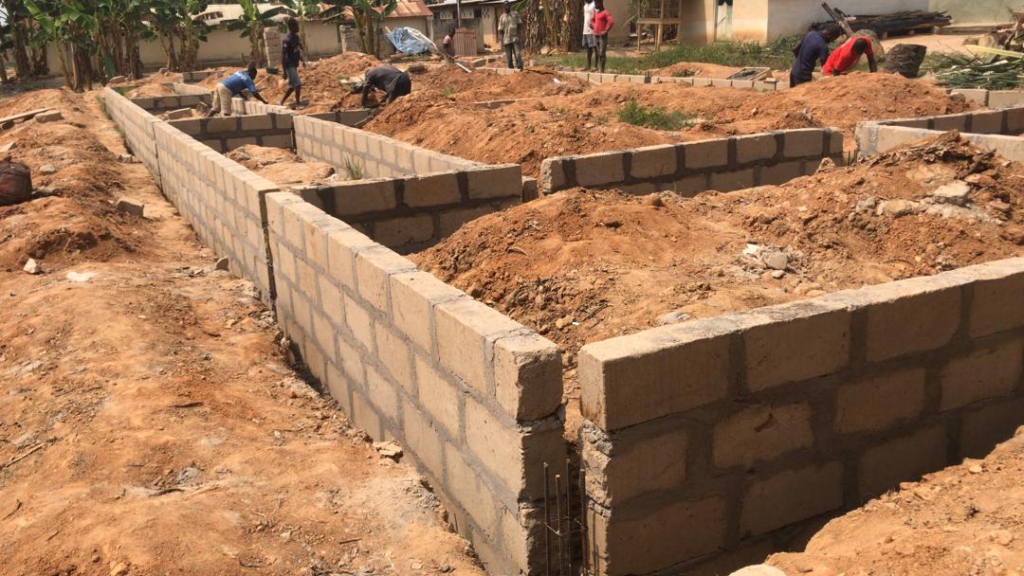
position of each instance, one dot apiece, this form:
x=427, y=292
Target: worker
x=391, y=81
x=508, y=29
x=848, y=55
x=449, y=44
x=291, y=55
x=811, y=50
x=588, y=32
x=235, y=85
x=601, y=25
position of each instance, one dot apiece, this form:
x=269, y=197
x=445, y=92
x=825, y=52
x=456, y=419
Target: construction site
x=539, y=322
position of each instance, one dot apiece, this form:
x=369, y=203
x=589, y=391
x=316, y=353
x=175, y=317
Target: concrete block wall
x=471, y=394
x=724, y=164
x=992, y=98
x=190, y=89
x=606, y=78
x=880, y=139
x=411, y=213
x=158, y=104
x=196, y=76
x=226, y=134
x=996, y=129
x=137, y=126
x=718, y=434
x=379, y=156
x=222, y=200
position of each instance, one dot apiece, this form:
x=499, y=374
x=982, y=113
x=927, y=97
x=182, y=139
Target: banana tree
x=14, y=14
x=368, y=16
x=302, y=10
x=177, y=20
x=252, y=23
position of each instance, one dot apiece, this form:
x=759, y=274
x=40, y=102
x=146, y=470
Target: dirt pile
x=321, y=82
x=583, y=266
x=966, y=519
x=482, y=86
x=696, y=70
x=151, y=89
x=281, y=166
x=72, y=215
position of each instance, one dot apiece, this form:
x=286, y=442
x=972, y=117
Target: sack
x=15, y=183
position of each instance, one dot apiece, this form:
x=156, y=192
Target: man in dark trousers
x=291, y=55
x=235, y=85
x=812, y=49
x=508, y=30
x=391, y=81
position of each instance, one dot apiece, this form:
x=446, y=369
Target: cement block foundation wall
x=136, y=125
x=186, y=89
x=226, y=134
x=158, y=104
x=605, y=78
x=718, y=434
x=407, y=356
x=996, y=130
x=724, y=164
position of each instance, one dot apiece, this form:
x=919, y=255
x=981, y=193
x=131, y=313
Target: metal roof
x=411, y=9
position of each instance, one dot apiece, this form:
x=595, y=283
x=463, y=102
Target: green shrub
x=656, y=117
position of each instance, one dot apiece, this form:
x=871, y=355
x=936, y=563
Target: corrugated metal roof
x=411, y=9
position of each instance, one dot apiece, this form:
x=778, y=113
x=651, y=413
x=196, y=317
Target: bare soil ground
x=964, y=520
x=149, y=423
x=158, y=86
x=696, y=70
x=281, y=166
x=582, y=266
x=531, y=130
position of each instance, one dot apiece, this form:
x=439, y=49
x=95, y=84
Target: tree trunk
x=3, y=69
x=22, y=65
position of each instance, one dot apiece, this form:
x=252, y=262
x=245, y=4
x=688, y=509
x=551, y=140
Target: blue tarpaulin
x=407, y=41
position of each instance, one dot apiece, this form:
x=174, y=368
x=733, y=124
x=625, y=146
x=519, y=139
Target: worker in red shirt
x=601, y=25
x=848, y=55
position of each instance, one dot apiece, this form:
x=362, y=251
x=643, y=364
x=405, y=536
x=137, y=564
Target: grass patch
x=354, y=168
x=448, y=92
x=656, y=117
x=777, y=55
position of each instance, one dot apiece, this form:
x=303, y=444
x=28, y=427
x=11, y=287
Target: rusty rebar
x=561, y=533
x=547, y=524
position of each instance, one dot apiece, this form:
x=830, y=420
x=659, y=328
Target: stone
x=776, y=261
x=759, y=570
x=51, y=116
x=388, y=450
x=897, y=208
x=117, y=79
x=47, y=169
x=417, y=68
x=179, y=113
x=867, y=205
x=222, y=264
x=673, y=318
x=33, y=267
x=778, y=274
x=826, y=165
x=130, y=206
x=955, y=193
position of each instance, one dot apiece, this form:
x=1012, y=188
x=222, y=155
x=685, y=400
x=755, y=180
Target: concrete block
x=179, y=114
x=721, y=83
x=342, y=247
x=951, y=122
x=638, y=545
x=904, y=459
x=707, y=154
x=439, y=397
x=398, y=232
x=222, y=125
x=373, y=267
x=474, y=495
x=552, y=175
x=804, y=143
x=910, y=316
x=350, y=360
x=600, y=169
x=643, y=464
x=996, y=306
x=283, y=141
x=364, y=196
x=755, y=148
x=130, y=206
x=432, y=190
x=527, y=376
x=1015, y=120
x=233, y=143
x=791, y=496
x=999, y=99
x=360, y=324
x=876, y=403
x=466, y=331
x=423, y=440
x=794, y=342
x=981, y=430
x=330, y=300
x=983, y=374
x=781, y=173
x=413, y=295
x=338, y=386
x=691, y=185
x=263, y=122
x=633, y=379
x=987, y=122
x=191, y=127
x=762, y=433
x=452, y=220
x=979, y=97
x=731, y=181
x=653, y=161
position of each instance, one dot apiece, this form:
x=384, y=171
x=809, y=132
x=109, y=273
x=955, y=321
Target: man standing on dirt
x=848, y=55
x=588, y=32
x=449, y=44
x=391, y=81
x=601, y=25
x=811, y=50
x=291, y=55
x=235, y=85
x=508, y=28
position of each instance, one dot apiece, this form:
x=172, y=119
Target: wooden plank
x=23, y=116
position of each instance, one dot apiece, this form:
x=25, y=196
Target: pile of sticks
x=886, y=24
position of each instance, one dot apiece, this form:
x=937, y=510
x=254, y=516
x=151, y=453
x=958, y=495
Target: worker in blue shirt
x=810, y=50
x=234, y=85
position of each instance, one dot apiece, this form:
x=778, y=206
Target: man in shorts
x=291, y=55
x=589, y=42
x=234, y=85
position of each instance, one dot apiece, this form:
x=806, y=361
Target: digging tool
x=843, y=21
x=839, y=19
